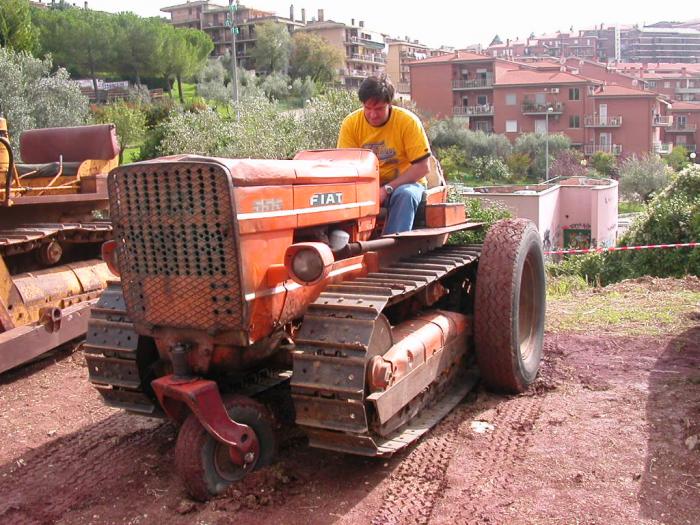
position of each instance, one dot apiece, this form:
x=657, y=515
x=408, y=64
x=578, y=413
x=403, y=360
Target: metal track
x=27, y=237
x=341, y=331
x=111, y=352
x=120, y=361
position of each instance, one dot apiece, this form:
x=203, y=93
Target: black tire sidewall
x=530, y=246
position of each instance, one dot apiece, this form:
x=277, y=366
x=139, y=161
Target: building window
x=574, y=121
x=511, y=99
x=511, y=126
x=482, y=100
x=651, y=83
x=574, y=94
x=667, y=84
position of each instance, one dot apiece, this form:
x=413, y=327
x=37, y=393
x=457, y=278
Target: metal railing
x=477, y=83
x=473, y=111
x=682, y=128
x=613, y=149
x=592, y=121
x=660, y=120
x=535, y=108
x=662, y=148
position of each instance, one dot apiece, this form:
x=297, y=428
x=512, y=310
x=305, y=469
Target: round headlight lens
x=307, y=265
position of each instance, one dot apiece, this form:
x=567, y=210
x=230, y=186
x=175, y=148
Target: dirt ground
x=608, y=435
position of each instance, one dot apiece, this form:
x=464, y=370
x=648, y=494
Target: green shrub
x=519, y=164
x=678, y=159
x=129, y=120
x=477, y=211
x=31, y=96
x=453, y=161
x=641, y=177
x=673, y=216
x=604, y=163
x=534, y=146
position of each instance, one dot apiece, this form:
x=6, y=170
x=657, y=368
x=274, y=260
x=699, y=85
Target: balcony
x=484, y=110
x=661, y=121
x=356, y=57
x=535, y=108
x=477, y=83
x=591, y=121
x=354, y=73
x=682, y=128
x=403, y=87
x=688, y=90
x=613, y=149
x=662, y=148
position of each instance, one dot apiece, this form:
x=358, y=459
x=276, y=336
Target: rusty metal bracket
x=51, y=318
x=203, y=398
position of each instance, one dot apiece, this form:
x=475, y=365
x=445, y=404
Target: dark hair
x=376, y=88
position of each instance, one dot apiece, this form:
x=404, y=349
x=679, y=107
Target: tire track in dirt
x=76, y=471
x=420, y=481
x=414, y=487
x=492, y=458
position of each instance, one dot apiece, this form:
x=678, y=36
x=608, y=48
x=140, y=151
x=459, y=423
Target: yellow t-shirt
x=400, y=142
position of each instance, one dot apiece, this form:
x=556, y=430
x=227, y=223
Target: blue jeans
x=403, y=204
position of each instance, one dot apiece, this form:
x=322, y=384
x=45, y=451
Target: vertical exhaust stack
x=320, y=15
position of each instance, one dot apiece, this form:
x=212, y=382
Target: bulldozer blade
x=25, y=343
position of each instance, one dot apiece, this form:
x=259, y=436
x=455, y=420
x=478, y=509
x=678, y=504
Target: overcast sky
x=455, y=23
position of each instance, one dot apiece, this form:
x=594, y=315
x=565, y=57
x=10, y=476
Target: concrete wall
x=579, y=211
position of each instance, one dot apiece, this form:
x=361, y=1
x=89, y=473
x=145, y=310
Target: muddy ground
x=609, y=435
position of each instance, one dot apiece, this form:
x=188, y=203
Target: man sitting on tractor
x=397, y=137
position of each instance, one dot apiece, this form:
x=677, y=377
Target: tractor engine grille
x=177, y=245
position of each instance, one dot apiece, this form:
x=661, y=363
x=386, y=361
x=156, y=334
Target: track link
x=112, y=355
x=27, y=237
x=342, y=331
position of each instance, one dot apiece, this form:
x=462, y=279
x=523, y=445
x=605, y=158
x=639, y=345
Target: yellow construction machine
x=52, y=224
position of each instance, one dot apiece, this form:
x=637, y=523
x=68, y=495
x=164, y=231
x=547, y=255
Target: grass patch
x=189, y=91
x=130, y=154
x=621, y=309
x=629, y=207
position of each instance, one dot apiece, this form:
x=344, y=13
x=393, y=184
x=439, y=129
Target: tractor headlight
x=308, y=262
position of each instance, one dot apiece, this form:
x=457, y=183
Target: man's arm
x=413, y=174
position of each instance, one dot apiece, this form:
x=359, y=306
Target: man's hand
x=383, y=195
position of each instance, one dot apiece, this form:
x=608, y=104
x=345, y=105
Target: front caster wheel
x=205, y=464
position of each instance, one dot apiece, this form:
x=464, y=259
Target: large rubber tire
x=203, y=462
x=509, y=306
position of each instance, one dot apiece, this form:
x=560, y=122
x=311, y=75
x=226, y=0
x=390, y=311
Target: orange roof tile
x=685, y=106
x=457, y=56
x=613, y=90
x=524, y=77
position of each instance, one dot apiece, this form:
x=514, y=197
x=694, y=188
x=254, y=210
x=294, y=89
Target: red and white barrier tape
x=623, y=248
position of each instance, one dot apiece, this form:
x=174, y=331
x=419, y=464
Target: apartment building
x=400, y=53
x=677, y=81
x=210, y=17
x=364, y=50
x=500, y=96
x=658, y=44
x=683, y=130
x=662, y=42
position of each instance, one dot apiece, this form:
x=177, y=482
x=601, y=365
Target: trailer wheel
x=509, y=306
x=204, y=463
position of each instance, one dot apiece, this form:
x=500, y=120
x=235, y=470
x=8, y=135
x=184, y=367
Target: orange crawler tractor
x=242, y=275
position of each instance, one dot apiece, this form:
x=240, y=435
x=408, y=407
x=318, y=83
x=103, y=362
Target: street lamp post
x=231, y=23
x=546, y=143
